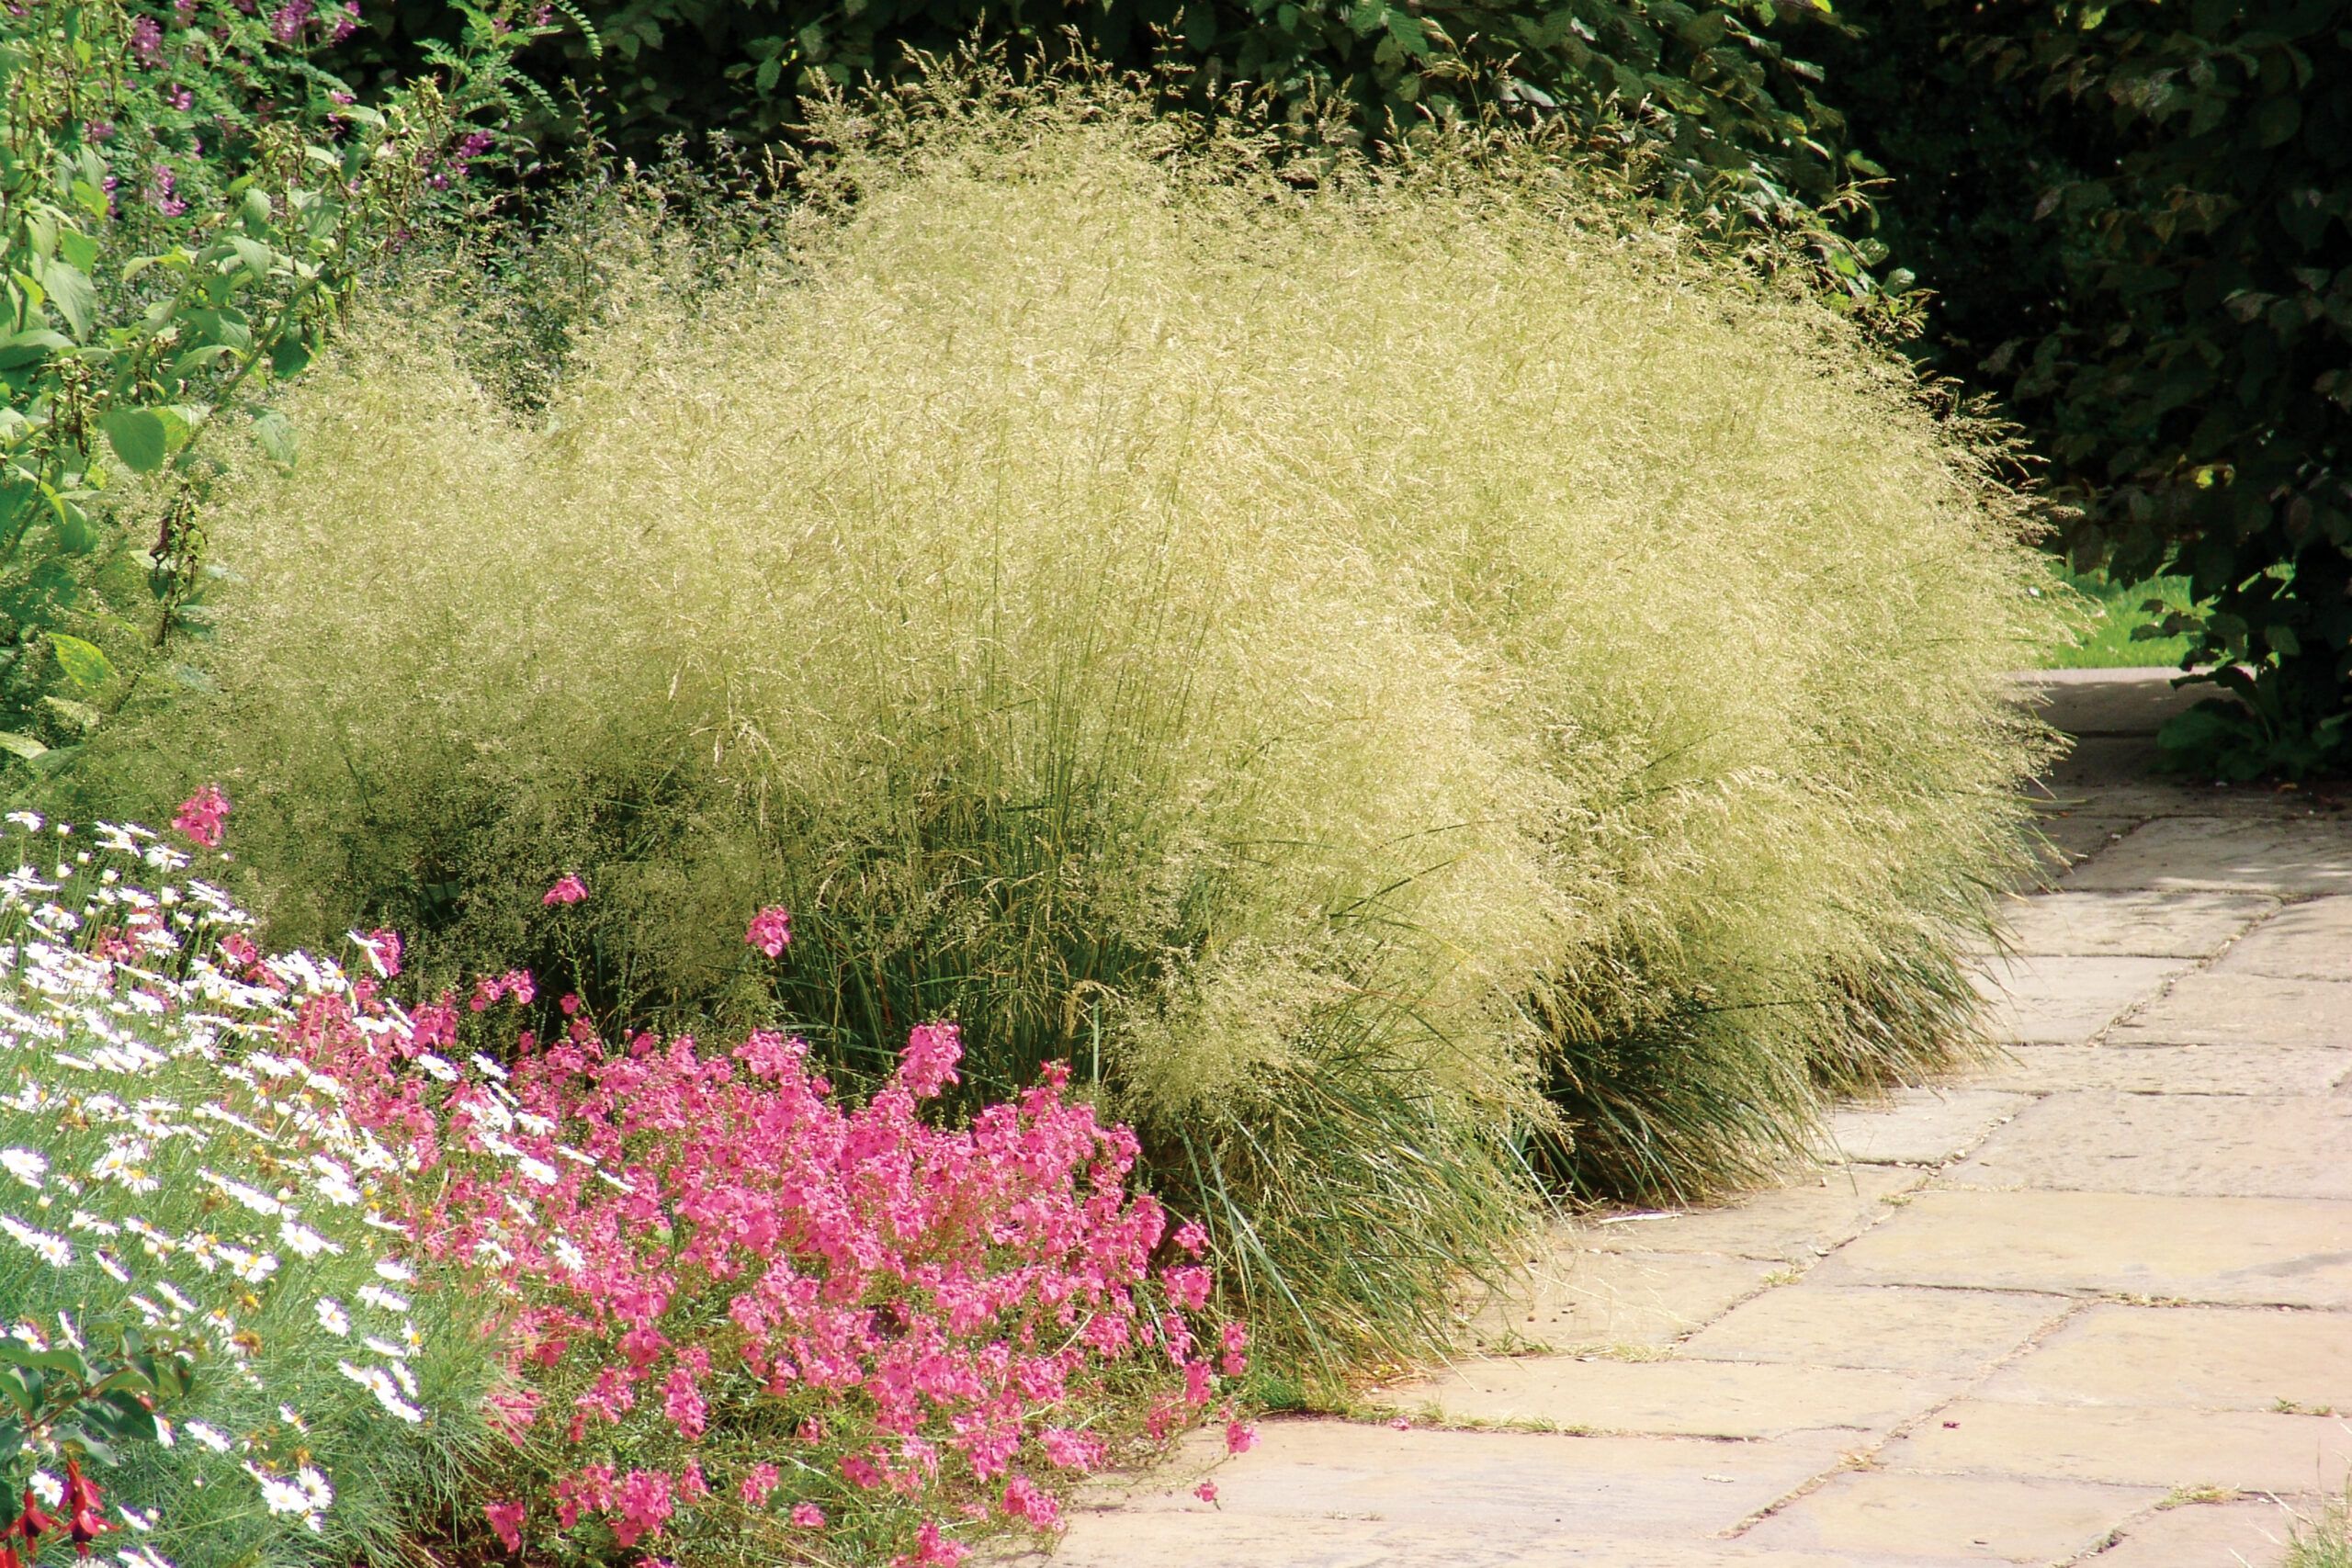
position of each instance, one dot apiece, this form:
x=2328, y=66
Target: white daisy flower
x=378, y=1381
x=53, y=1250
x=332, y=1318
x=305, y=1241
x=24, y=1165
x=211, y=1436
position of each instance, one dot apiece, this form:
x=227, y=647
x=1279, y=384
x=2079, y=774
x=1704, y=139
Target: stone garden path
x=2091, y=1305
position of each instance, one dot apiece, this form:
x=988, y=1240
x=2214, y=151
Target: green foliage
x=2138, y=217
x=2323, y=1541
x=186, y=203
x=1334, y=655
x=1720, y=91
x=83, y=1401
x=2122, y=624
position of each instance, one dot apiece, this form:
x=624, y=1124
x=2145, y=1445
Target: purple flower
x=159, y=192
x=286, y=22
x=147, y=40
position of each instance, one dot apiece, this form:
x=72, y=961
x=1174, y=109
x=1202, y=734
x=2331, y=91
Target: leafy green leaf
x=18, y=744
x=71, y=291
x=84, y=662
x=78, y=248
x=140, y=439
x=277, y=436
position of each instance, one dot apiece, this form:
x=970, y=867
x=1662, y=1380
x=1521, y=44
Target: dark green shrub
x=2137, y=217
x=1719, y=91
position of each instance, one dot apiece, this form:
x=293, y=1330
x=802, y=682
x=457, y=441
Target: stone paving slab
x=2311, y=940
x=2157, y=1069
x=2215, y=1008
x=2218, y=1146
x=1209, y=1537
x=1695, y=1399
x=1794, y=1224
x=2127, y=1445
x=2065, y=1002
x=2189, y=1359
x=2068, y=840
x=1898, y=1329
x=2255, y=1251
x=2224, y=855
x=2249, y=1534
x=1963, y=1518
x=2132, y=925
x=1475, y=1482
x=1918, y=1126
x=2100, y=704
x=1573, y=1299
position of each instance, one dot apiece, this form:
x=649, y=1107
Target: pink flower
x=770, y=930
x=928, y=1063
x=200, y=816
x=759, y=1485
x=1236, y=1339
x=1400, y=1425
x=1240, y=1437
x=643, y=1504
x=384, y=951
x=569, y=889
x=932, y=1551
x=506, y=1519
x=807, y=1516
x=1189, y=1286
x=1192, y=1237
x=1071, y=1450
x=1024, y=1501
x=769, y=1055
x=1205, y=1491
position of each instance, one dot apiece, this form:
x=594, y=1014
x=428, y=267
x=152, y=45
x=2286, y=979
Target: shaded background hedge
x=2127, y=221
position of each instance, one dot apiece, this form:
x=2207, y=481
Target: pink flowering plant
x=743, y=1319
x=658, y=1301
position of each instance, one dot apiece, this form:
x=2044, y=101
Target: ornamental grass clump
x=1412, y=683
